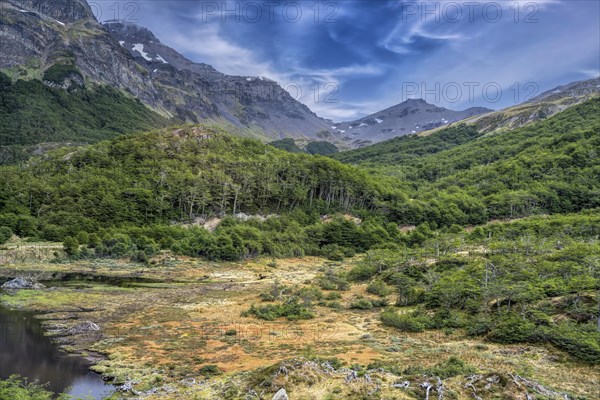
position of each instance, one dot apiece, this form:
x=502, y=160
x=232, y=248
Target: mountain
x=409, y=117
x=538, y=108
x=39, y=35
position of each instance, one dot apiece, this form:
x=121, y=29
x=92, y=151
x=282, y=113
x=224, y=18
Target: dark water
x=24, y=350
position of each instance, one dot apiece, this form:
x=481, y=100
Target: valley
x=161, y=325
x=172, y=231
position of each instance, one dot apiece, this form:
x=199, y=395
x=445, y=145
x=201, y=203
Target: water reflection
x=24, y=350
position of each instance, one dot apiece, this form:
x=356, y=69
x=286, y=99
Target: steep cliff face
x=36, y=34
x=33, y=39
x=246, y=101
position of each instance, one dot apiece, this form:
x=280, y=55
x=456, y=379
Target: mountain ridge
x=36, y=39
x=409, y=117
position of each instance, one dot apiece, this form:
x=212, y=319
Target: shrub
x=479, y=326
x=362, y=272
x=333, y=296
x=453, y=366
x=331, y=281
x=19, y=389
x=57, y=73
x=5, y=234
x=577, y=341
x=445, y=318
x=71, y=246
x=210, y=370
x=413, y=322
x=512, y=329
x=322, y=148
x=291, y=310
x=333, y=252
x=382, y=302
x=333, y=304
x=378, y=288
x=361, y=304
x=308, y=295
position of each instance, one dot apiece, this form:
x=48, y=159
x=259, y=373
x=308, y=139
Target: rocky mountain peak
x=61, y=10
x=131, y=31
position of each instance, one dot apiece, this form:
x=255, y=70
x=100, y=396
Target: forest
x=139, y=193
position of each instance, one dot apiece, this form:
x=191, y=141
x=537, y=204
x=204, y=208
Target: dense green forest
x=32, y=113
x=123, y=196
x=136, y=194
x=321, y=147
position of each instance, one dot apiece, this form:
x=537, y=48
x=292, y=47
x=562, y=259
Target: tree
x=71, y=246
x=5, y=234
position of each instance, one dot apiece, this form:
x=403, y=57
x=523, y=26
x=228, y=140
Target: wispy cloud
x=371, y=50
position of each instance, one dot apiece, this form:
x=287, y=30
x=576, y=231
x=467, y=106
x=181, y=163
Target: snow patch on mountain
x=140, y=49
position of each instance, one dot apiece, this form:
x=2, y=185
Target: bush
x=333, y=296
x=5, y=234
x=57, y=73
x=71, y=246
x=333, y=252
x=291, y=310
x=26, y=226
x=512, y=329
x=577, y=341
x=479, y=326
x=382, y=302
x=362, y=272
x=331, y=281
x=448, y=319
x=15, y=388
x=378, y=288
x=308, y=295
x=446, y=369
x=210, y=370
x=322, y=148
x=361, y=304
x=413, y=322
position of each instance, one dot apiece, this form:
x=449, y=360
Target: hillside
x=407, y=148
x=191, y=176
x=538, y=108
x=546, y=167
x=34, y=117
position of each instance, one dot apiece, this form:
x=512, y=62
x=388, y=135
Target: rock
x=126, y=387
x=401, y=385
x=281, y=395
x=84, y=327
x=22, y=283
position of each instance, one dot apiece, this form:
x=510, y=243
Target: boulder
x=22, y=283
x=281, y=395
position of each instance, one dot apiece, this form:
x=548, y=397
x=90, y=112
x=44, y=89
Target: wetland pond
x=24, y=350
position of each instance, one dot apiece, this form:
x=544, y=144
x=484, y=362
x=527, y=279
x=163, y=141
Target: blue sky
x=346, y=59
